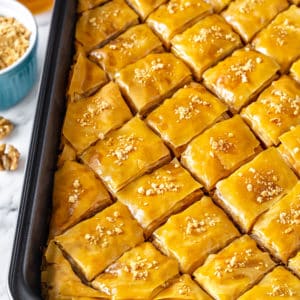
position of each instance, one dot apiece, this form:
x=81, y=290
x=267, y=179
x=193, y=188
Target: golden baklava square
x=190, y=236
x=278, y=230
x=281, y=39
x=220, y=150
x=145, y=7
x=137, y=42
x=150, y=80
x=91, y=119
x=240, y=77
x=95, y=243
x=84, y=5
x=154, y=197
x=248, y=17
x=255, y=187
x=189, y=112
x=218, y=5
x=77, y=194
x=176, y=16
x=97, y=26
x=126, y=154
x=233, y=270
x=290, y=148
x=183, y=288
x=279, y=284
x=140, y=273
x=86, y=78
x=59, y=280
x=294, y=264
x=205, y=43
x=295, y=71
x=276, y=110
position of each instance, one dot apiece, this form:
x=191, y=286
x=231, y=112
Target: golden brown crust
x=255, y=187
x=193, y=234
x=240, y=77
x=236, y=268
x=126, y=154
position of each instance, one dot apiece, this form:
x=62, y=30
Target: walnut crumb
x=6, y=127
x=9, y=158
x=14, y=41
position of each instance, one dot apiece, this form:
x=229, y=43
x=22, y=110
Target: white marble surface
x=11, y=182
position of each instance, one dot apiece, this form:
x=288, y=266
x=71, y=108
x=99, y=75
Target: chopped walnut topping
x=290, y=219
x=124, y=145
x=9, y=158
x=221, y=144
x=124, y=44
x=296, y=150
x=174, y=7
x=282, y=31
x=145, y=74
x=77, y=190
x=287, y=105
x=198, y=226
x=102, y=18
x=239, y=71
x=101, y=233
x=14, y=41
x=187, y=112
x=248, y=6
x=184, y=290
x=98, y=106
x=6, y=127
x=263, y=184
x=281, y=290
x=140, y=268
x=213, y=33
x=239, y=260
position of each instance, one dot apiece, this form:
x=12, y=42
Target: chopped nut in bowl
x=18, y=45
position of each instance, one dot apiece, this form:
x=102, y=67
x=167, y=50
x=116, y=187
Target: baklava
x=180, y=150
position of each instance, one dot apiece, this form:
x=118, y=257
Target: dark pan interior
x=32, y=225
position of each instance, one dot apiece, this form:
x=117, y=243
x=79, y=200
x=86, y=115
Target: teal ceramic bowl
x=17, y=80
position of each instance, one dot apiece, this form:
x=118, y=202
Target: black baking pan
x=32, y=226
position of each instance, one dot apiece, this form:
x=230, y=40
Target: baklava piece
x=281, y=39
x=279, y=284
x=205, y=43
x=255, y=187
x=294, y=264
x=84, y=5
x=129, y=47
x=188, y=113
x=248, y=17
x=145, y=7
x=220, y=150
x=218, y=5
x=278, y=230
x=60, y=282
x=290, y=148
x=154, y=197
x=240, y=77
x=126, y=154
x=140, y=273
x=94, y=244
x=235, y=269
x=91, y=119
x=77, y=194
x=86, y=78
x=183, y=288
x=276, y=110
x=190, y=236
x=295, y=71
x=67, y=153
x=176, y=16
x=97, y=26
x=150, y=80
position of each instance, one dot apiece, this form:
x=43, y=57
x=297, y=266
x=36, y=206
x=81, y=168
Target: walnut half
x=6, y=127
x=9, y=158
